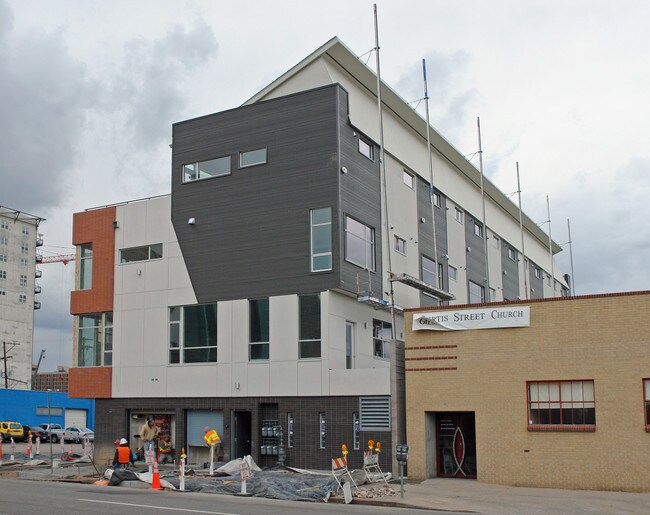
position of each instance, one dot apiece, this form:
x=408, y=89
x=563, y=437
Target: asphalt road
x=18, y=497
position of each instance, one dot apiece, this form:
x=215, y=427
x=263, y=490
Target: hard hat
x=123, y=441
x=206, y=429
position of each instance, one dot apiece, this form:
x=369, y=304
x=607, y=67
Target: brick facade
x=600, y=338
x=91, y=382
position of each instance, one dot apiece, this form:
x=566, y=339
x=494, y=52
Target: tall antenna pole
x=485, y=244
x=433, y=207
x=521, y=230
x=573, y=282
x=550, y=247
x=382, y=165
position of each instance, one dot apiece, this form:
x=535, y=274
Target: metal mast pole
x=521, y=230
x=573, y=282
x=433, y=207
x=550, y=247
x=382, y=165
x=4, y=351
x=485, y=245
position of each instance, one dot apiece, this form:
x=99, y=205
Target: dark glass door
x=456, y=445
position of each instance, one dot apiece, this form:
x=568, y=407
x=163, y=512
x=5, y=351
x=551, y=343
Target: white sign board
x=244, y=471
x=370, y=459
x=148, y=457
x=468, y=319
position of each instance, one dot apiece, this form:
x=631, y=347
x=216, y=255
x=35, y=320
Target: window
x=453, y=273
x=22, y=298
x=359, y=244
x=4, y=240
x=646, y=401
x=349, y=345
x=3, y=291
x=4, y=224
x=561, y=403
x=538, y=272
x=366, y=148
x=258, y=315
x=459, y=216
x=355, y=431
x=193, y=334
x=429, y=271
x=375, y=413
x=144, y=253
x=548, y=279
x=24, y=248
x=512, y=254
x=25, y=231
x=321, y=239
x=309, y=330
x=493, y=295
x=289, y=430
x=23, y=280
x=23, y=262
x=3, y=257
x=437, y=199
x=381, y=337
x=476, y=293
x=95, y=340
x=495, y=241
x=85, y=266
x=252, y=157
x=206, y=169
x=3, y=274
x=321, y=427
x=478, y=229
x=400, y=245
x=408, y=179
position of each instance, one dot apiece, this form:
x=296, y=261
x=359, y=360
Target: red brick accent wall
x=96, y=227
x=90, y=382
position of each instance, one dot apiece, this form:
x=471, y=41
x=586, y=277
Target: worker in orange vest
x=123, y=455
x=213, y=441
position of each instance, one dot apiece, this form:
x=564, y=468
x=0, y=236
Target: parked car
x=77, y=434
x=9, y=430
x=37, y=432
x=53, y=431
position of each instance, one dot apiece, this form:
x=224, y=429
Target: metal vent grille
x=375, y=413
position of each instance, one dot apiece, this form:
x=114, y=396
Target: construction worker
x=148, y=435
x=123, y=455
x=165, y=450
x=213, y=441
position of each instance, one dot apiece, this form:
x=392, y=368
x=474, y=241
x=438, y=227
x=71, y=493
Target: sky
x=89, y=90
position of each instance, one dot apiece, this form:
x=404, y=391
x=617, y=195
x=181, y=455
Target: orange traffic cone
x=155, y=482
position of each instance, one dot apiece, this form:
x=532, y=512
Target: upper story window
x=24, y=248
x=193, y=334
x=366, y=148
x=143, y=253
x=512, y=254
x=309, y=344
x=3, y=257
x=321, y=239
x=25, y=231
x=400, y=245
x=476, y=292
x=538, y=272
x=495, y=241
x=258, y=316
x=408, y=179
x=459, y=216
x=252, y=157
x=22, y=298
x=4, y=240
x=23, y=262
x=206, y=169
x=95, y=340
x=359, y=244
x=381, y=336
x=478, y=229
x=4, y=224
x=3, y=274
x=564, y=404
x=429, y=271
x=453, y=273
x=86, y=266
x=3, y=291
x=437, y=199
x=23, y=280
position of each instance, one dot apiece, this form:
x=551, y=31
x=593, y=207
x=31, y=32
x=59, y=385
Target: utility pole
x=5, y=358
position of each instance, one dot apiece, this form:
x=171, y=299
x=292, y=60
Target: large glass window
x=86, y=266
x=561, y=403
x=206, y=169
x=258, y=314
x=309, y=345
x=252, y=157
x=381, y=336
x=193, y=334
x=476, y=293
x=359, y=244
x=95, y=340
x=429, y=271
x=321, y=239
x=143, y=253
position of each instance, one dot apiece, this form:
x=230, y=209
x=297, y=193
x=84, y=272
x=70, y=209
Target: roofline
x=346, y=59
x=20, y=215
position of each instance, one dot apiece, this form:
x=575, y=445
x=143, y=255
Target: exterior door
x=241, y=434
x=456, y=436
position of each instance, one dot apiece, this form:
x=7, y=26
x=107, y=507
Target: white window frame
x=469, y=293
x=350, y=345
x=261, y=161
x=437, y=199
x=478, y=229
x=452, y=272
x=368, y=240
x=399, y=244
x=191, y=172
x=366, y=148
x=381, y=344
x=315, y=255
x=512, y=254
x=409, y=179
x=460, y=216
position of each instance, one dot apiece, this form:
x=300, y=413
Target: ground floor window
x=561, y=404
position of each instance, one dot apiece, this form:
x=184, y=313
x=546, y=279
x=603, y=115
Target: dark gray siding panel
x=252, y=231
x=425, y=235
x=536, y=283
x=510, y=272
x=361, y=200
x=475, y=252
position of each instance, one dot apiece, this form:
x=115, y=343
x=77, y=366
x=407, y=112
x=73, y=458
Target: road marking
x=158, y=507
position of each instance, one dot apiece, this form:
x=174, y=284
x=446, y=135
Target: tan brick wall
x=601, y=338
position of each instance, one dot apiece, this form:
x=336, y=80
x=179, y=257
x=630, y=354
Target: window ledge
x=561, y=428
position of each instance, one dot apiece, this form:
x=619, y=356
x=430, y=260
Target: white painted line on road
x=158, y=507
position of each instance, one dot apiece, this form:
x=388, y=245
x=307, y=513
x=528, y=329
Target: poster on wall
x=468, y=319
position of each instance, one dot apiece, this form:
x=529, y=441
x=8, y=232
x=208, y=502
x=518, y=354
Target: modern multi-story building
x=267, y=289
x=18, y=289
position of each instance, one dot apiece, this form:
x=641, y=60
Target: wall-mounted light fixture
x=116, y=224
x=191, y=221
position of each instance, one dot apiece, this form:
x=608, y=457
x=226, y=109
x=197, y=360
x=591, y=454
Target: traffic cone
x=155, y=482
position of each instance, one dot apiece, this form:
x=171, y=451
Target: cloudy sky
x=89, y=90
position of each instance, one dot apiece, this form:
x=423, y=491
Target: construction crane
x=61, y=258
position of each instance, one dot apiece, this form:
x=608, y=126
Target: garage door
x=76, y=417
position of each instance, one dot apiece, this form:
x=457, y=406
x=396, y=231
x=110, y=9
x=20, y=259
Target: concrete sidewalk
x=462, y=495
